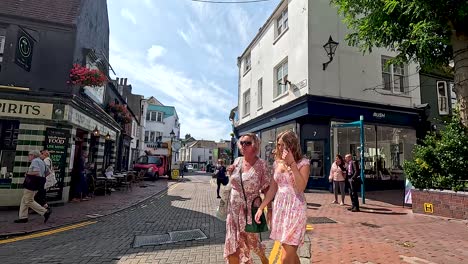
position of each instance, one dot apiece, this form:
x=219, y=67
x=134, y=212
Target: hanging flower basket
x=82, y=76
x=120, y=113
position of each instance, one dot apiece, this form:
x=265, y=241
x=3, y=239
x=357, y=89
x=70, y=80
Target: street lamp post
x=172, y=134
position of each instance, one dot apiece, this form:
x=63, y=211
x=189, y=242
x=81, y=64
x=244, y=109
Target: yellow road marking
x=275, y=252
x=47, y=233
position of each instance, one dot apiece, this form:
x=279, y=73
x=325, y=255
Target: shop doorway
x=75, y=176
x=317, y=151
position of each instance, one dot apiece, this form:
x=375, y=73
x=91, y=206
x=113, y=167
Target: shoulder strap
x=242, y=185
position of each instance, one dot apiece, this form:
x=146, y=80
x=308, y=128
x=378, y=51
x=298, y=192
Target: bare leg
x=289, y=254
x=234, y=258
x=262, y=256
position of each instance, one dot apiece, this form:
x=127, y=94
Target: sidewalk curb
x=10, y=235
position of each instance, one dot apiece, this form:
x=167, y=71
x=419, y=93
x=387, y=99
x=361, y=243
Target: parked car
x=152, y=166
x=189, y=168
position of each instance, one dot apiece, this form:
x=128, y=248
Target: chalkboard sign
x=57, y=143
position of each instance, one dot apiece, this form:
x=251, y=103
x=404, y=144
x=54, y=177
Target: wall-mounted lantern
x=330, y=48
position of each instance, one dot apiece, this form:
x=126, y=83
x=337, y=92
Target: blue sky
x=184, y=53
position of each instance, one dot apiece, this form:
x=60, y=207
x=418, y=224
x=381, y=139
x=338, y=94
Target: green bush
x=441, y=161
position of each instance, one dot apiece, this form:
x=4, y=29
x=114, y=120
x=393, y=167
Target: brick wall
x=444, y=203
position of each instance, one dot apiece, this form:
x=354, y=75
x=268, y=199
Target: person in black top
x=352, y=175
x=221, y=177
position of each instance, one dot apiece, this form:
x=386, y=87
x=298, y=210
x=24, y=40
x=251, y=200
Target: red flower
x=80, y=75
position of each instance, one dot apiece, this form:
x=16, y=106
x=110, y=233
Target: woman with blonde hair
x=249, y=177
x=291, y=172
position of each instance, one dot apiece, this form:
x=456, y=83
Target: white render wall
x=310, y=25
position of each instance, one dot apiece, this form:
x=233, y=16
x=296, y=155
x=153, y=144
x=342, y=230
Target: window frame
x=159, y=117
x=246, y=103
x=147, y=133
x=442, y=101
x=453, y=96
x=280, y=91
x=394, y=71
x=2, y=45
x=247, y=63
x=282, y=22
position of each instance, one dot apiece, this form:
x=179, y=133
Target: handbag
x=50, y=178
x=254, y=227
x=33, y=182
x=221, y=211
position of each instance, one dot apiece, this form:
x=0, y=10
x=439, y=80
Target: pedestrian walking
x=41, y=195
x=221, y=177
x=249, y=177
x=34, y=180
x=338, y=177
x=354, y=179
x=291, y=172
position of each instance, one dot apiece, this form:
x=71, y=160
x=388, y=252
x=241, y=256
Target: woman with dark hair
x=291, y=172
x=249, y=177
x=338, y=177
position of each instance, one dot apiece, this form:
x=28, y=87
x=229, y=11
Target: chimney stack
x=125, y=81
x=117, y=80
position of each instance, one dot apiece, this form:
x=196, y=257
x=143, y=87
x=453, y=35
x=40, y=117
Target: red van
x=152, y=165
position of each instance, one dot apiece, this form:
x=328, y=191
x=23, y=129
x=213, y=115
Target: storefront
x=55, y=124
x=390, y=135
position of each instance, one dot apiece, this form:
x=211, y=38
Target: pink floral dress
x=289, y=209
x=254, y=180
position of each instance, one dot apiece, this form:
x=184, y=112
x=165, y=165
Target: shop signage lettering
x=25, y=109
x=56, y=142
x=84, y=121
x=379, y=115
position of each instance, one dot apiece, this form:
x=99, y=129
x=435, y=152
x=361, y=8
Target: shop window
x=246, y=100
x=385, y=149
x=393, y=77
x=9, y=131
x=281, y=71
x=442, y=98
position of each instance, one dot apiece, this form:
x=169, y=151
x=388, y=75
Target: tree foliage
x=419, y=30
x=441, y=161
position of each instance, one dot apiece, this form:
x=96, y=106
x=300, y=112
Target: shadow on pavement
x=394, y=197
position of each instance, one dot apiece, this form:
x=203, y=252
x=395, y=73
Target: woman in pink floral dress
x=289, y=208
x=255, y=179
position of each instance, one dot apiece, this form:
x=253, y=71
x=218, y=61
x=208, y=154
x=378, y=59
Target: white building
x=159, y=121
x=199, y=153
x=286, y=83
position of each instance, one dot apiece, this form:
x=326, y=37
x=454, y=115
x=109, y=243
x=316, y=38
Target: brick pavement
x=75, y=212
x=384, y=232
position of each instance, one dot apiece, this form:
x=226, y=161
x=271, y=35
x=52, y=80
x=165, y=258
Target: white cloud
x=154, y=52
x=128, y=15
x=185, y=37
x=213, y=51
x=240, y=20
x=202, y=105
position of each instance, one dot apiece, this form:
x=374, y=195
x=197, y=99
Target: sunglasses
x=246, y=143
